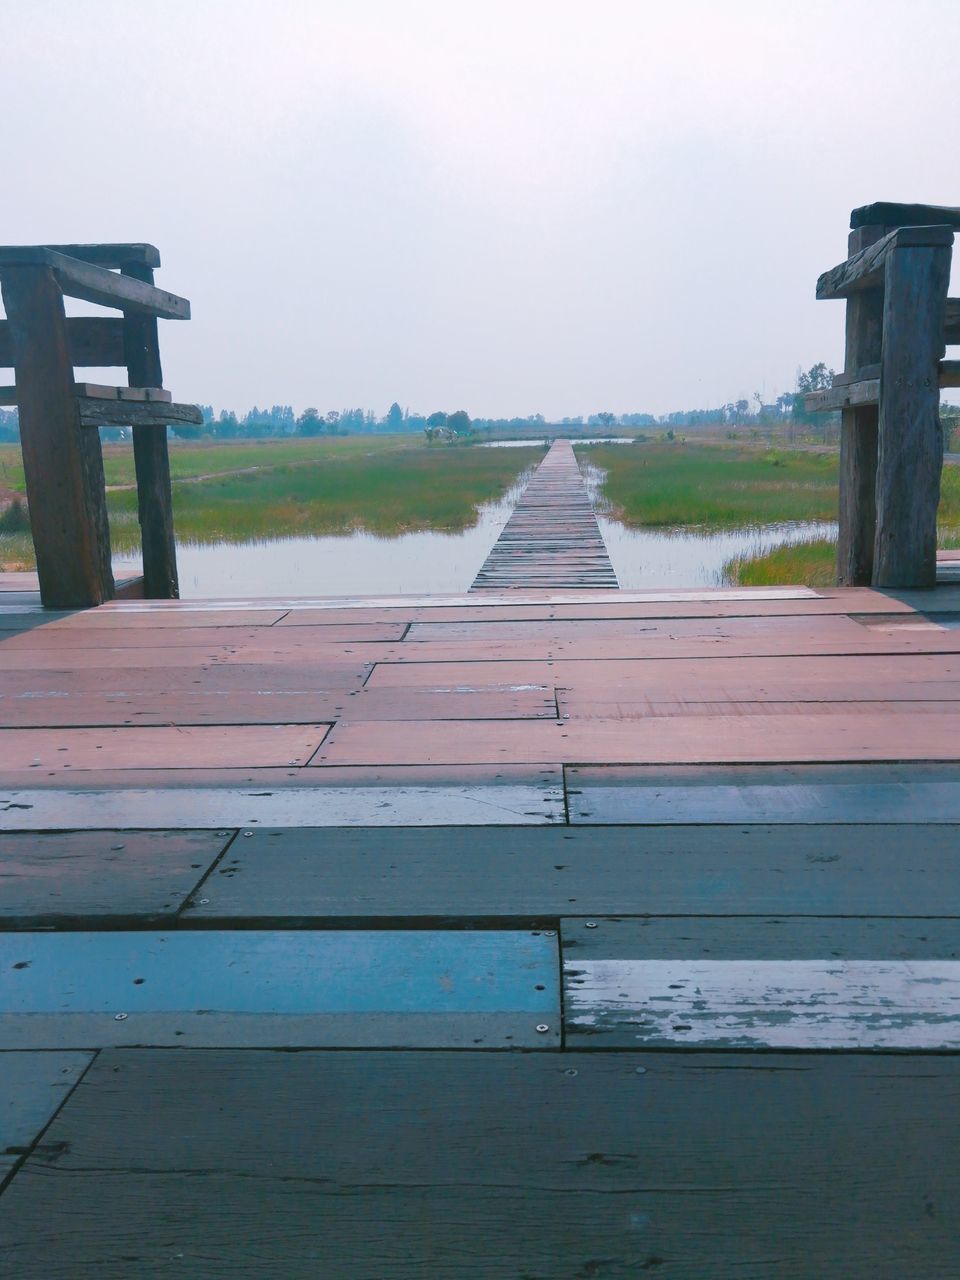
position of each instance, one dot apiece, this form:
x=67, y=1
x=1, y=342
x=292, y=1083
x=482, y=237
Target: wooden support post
x=151, y=458
x=858, y=432
x=62, y=462
x=910, y=456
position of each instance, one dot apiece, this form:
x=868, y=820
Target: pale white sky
x=532, y=206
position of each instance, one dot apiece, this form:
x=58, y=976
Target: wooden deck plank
x=257, y=988
x=672, y=740
x=839, y=793
x=540, y=874
x=33, y=1087
x=552, y=537
x=309, y=639
x=838, y=1167
x=177, y=799
x=52, y=877
x=166, y=746
x=211, y=680
x=56, y=709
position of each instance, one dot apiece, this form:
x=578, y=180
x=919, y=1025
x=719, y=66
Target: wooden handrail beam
x=94, y=342
x=90, y=283
x=110, y=255
x=865, y=269
x=951, y=322
x=884, y=214
x=863, y=387
x=95, y=412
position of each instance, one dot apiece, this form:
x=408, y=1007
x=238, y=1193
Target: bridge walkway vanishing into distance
x=552, y=539
x=615, y=933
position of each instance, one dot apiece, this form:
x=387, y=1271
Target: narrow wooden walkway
x=616, y=933
x=552, y=539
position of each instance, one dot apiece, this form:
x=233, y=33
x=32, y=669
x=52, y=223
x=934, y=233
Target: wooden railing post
x=151, y=456
x=859, y=431
x=910, y=458
x=62, y=461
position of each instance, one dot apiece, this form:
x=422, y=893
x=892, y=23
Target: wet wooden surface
x=670, y=779
x=494, y=1165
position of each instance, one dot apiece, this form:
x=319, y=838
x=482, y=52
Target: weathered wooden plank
x=840, y=1167
x=175, y=668
x=33, y=1087
x=178, y=799
x=166, y=747
x=864, y=270
x=872, y=794
x=851, y=395
x=149, y=414
x=75, y=875
x=680, y=740
x=951, y=322
x=529, y=874
x=93, y=341
x=901, y=215
x=302, y=640
x=92, y=283
x=764, y=1004
x=110, y=255
x=380, y=988
x=62, y=464
x=910, y=454
x=49, y=708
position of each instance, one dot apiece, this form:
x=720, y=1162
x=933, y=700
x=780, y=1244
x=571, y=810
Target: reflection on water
x=433, y=562
x=353, y=564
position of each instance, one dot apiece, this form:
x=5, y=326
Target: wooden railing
x=59, y=417
x=899, y=322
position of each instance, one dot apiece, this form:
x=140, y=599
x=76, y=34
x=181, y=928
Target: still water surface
x=431, y=562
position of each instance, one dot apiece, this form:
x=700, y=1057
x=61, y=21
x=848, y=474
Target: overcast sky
x=510, y=208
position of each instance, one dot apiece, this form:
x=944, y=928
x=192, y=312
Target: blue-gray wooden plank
x=282, y=988
x=32, y=1088
x=840, y=793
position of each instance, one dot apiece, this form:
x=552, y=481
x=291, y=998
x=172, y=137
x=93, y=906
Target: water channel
x=436, y=562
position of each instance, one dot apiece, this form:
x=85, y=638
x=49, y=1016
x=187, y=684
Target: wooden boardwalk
x=552, y=539
x=615, y=932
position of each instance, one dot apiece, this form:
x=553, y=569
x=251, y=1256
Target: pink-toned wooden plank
x=201, y=706
x=105, y=619
x=681, y=740
x=69, y=751
x=561, y=630
x=452, y=702
x=117, y=635
x=123, y=681
x=586, y=708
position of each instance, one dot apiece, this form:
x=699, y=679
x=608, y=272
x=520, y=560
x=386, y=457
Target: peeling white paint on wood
x=318, y=806
x=782, y=1004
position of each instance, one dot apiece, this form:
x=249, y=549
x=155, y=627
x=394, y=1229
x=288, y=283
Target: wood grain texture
x=782, y=1165
x=541, y=873
x=166, y=747
x=805, y=1004
x=93, y=341
x=63, y=465
x=910, y=456
x=33, y=1086
x=82, y=875
x=403, y=988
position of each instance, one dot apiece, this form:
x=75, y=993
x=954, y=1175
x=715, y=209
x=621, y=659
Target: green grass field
x=714, y=486
x=386, y=485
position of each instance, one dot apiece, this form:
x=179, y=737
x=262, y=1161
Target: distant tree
x=309, y=423
x=606, y=419
x=394, y=419
x=186, y=430
x=741, y=409
x=459, y=422
x=226, y=427
x=438, y=419
x=333, y=418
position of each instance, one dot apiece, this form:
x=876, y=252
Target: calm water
x=421, y=563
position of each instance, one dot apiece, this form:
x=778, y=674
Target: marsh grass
x=714, y=487
x=807, y=564
x=313, y=488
